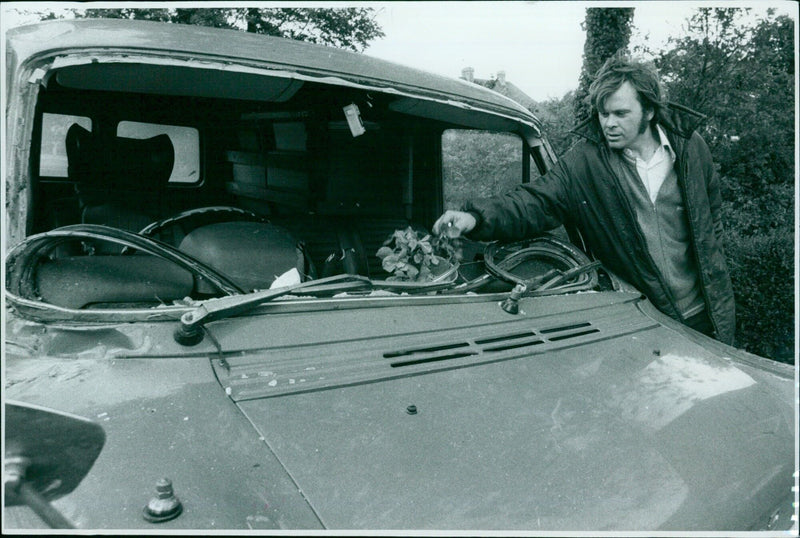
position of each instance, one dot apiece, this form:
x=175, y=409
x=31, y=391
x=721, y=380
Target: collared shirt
x=655, y=171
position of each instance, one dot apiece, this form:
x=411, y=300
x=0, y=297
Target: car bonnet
x=610, y=421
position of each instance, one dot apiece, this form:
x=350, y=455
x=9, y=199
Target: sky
x=539, y=45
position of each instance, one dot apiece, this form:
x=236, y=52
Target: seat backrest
x=119, y=181
x=117, y=164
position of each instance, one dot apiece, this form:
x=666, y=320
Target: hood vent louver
x=565, y=328
x=430, y=354
x=328, y=364
x=432, y=359
x=517, y=340
x=406, y=353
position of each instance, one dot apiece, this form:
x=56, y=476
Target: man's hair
x=619, y=69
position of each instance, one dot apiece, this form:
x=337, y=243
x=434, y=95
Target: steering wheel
x=194, y=218
x=22, y=260
x=569, y=268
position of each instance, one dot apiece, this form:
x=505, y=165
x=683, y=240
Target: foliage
x=608, y=30
x=762, y=270
x=758, y=214
x=349, y=28
x=412, y=255
x=558, y=119
x=478, y=164
x=149, y=14
x=740, y=73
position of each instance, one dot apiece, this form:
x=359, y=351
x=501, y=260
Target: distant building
x=500, y=85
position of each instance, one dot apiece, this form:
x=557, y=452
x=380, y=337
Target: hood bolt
x=165, y=505
x=411, y=409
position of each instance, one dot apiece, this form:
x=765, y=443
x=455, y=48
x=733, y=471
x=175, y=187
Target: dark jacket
x=583, y=191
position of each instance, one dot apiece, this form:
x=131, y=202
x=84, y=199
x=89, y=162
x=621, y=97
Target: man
x=642, y=190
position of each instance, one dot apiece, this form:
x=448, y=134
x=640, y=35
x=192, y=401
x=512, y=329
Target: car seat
x=119, y=181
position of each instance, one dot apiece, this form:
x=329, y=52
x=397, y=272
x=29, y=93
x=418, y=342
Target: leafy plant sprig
x=412, y=255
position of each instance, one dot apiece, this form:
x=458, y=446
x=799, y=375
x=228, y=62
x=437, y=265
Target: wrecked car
x=192, y=228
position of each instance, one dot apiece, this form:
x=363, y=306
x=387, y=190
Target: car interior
x=249, y=175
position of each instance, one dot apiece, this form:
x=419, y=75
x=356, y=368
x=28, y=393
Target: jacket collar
x=676, y=119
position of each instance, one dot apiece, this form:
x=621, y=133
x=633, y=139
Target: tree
x=347, y=28
x=740, y=73
x=557, y=116
x=150, y=14
x=608, y=30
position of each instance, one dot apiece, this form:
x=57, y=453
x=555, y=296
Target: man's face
x=622, y=118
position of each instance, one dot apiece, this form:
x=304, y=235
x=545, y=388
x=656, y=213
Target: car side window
x=185, y=140
x=53, y=154
x=477, y=164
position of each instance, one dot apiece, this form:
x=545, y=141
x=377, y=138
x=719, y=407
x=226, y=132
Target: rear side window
x=478, y=164
x=53, y=155
x=185, y=140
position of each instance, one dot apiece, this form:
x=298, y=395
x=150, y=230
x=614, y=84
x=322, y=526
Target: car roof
x=53, y=37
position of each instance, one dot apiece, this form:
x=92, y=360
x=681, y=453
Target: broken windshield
x=142, y=272
x=169, y=186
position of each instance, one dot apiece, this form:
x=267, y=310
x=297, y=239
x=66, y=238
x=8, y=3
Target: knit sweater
x=666, y=232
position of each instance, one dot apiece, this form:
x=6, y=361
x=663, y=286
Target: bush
x=758, y=213
x=762, y=270
x=758, y=159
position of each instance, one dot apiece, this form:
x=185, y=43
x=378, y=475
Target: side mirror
x=47, y=454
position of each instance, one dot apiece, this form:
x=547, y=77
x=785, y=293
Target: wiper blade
x=190, y=331
x=401, y=286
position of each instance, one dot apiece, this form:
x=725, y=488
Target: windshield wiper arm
x=190, y=331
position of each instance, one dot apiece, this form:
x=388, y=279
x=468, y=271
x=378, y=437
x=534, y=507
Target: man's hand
x=454, y=223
